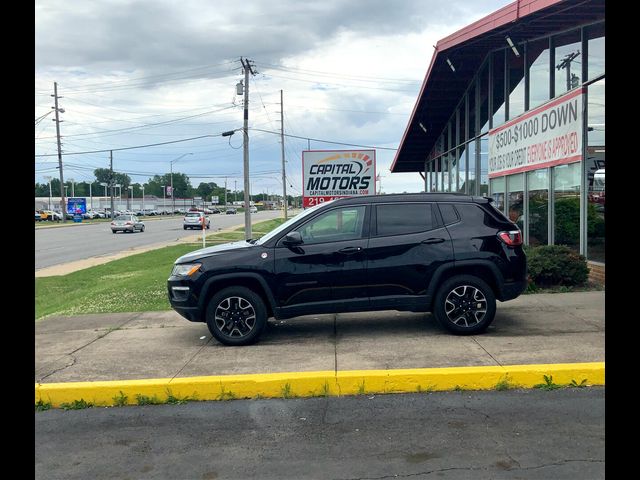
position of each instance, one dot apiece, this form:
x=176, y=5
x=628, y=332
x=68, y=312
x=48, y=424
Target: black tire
x=142, y=229
x=465, y=305
x=246, y=316
x=113, y=231
x=208, y=225
x=184, y=228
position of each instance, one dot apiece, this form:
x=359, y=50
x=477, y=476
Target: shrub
x=556, y=265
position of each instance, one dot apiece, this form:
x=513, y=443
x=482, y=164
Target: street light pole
x=131, y=188
x=164, y=206
x=143, y=199
x=173, y=194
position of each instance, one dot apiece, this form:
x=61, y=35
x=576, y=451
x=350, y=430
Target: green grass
x=137, y=283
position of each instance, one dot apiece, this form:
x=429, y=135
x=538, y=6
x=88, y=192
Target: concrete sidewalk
x=532, y=329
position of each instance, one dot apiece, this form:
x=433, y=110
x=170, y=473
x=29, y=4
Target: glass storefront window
x=470, y=188
x=539, y=72
x=515, y=200
x=568, y=48
x=472, y=111
x=445, y=172
x=595, y=172
x=538, y=183
x=515, y=78
x=497, y=109
x=484, y=98
x=595, y=44
x=497, y=192
x=453, y=173
x=484, y=166
x=566, y=204
x=461, y=169
x=462, y=129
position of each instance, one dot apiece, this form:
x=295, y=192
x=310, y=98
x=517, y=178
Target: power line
x=327, y=141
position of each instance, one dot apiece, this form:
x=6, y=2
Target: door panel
x=329, y=266
x=401, y=265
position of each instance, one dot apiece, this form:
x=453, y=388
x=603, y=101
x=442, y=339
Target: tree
x=181, y=185
x=103, y=175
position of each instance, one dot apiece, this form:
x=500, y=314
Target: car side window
x=404, y=218
x=336, y=225
x=449, y=214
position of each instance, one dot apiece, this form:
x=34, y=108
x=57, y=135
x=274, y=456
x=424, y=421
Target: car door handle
x=429, y=241
x=350, y=250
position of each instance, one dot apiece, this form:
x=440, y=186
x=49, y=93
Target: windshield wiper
x=252, y=240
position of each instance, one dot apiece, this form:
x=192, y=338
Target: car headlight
x=185, y=269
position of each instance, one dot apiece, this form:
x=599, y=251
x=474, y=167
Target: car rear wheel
x=465, y=305
x=236, y=316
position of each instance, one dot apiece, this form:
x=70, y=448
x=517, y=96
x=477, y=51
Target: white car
x=253, y=209
x=194, y=220
x=126, y=223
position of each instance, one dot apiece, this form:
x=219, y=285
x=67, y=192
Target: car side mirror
x=292, y=239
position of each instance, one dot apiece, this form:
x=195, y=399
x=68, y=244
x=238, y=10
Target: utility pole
x=284, y=177
x=111, y=181
x=63, y=203
x=225, y=192
x=247, y=210
x=235, y=191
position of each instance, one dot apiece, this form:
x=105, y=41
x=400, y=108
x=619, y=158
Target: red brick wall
x=596, y=272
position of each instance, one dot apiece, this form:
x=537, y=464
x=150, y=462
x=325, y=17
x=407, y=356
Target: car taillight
x=512, y=238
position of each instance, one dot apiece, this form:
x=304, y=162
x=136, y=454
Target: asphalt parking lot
x=532, y=329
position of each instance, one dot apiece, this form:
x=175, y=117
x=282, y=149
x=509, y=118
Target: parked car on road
x=450, y=254
x=194, y=220
x=50, y=215
x=127, y=223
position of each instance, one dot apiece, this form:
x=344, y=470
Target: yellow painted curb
x=315, y=384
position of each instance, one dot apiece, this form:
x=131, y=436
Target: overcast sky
x=135, y=73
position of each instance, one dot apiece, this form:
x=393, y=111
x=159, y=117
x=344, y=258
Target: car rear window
x=403, y=218
x=193, y=214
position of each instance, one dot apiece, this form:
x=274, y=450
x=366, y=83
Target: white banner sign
x=328, y=174
x=543, y=137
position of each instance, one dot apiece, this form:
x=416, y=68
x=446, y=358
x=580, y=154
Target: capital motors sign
x=329, y=174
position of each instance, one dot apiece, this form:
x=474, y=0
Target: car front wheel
x=465, y=305
x=236, y=316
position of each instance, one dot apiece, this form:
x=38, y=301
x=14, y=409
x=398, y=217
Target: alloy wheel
x=235, y=317
x=465, y=306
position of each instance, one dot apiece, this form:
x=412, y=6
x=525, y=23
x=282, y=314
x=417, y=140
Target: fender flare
x=230, y=276
x=441, y=270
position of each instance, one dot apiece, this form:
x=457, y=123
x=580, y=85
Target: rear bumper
x=511, y=290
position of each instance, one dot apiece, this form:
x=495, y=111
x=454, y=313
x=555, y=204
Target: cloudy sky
x=137, y=73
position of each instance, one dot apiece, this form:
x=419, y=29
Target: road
x=524, y=434
x=58, y=245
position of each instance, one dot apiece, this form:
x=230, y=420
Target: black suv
x=449, y=254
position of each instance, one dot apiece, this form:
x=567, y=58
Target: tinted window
x=334, y=226
x=401, y=218
x=449, y=214
x=472, y=214
x=192, y=214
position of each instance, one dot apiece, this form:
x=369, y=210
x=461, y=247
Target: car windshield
x=288, y=223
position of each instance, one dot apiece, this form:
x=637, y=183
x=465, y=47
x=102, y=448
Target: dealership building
x=512, y=107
